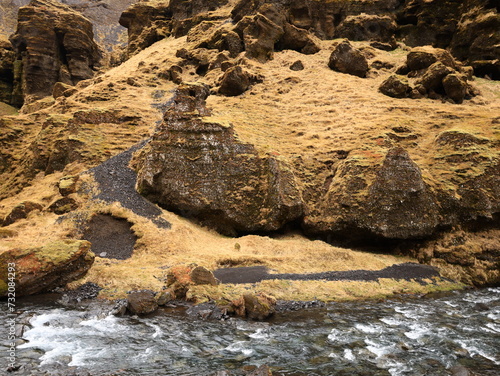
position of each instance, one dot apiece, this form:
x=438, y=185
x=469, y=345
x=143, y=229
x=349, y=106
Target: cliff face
x=53, y=44
x=103, y=14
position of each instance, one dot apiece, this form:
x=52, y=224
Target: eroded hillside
x=256, y=132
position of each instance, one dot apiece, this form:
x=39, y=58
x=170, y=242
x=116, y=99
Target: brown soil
x=110, y=237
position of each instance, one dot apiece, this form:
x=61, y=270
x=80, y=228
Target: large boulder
x=297, y=39
x=42, y=269
x=455, y=87
x=347, y=59
x=142, y=302
x=400, y=203
x=67, y=52
x=423, y=57
x=433, y=77
x=196, y=166
x=260, y=306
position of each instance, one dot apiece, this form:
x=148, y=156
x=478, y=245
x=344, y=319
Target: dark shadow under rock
x=110, y=237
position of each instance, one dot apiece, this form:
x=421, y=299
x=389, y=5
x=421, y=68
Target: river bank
x=442, y=334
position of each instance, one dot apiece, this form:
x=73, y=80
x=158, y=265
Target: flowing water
x=400, y=336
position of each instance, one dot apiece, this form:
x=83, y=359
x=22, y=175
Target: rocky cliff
x=265, y=117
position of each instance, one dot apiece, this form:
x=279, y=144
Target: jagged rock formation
x=67, y=52
x=267, y=25
x=104, y=15
x=471, y=29
x=150, y=21
x=7, y=57
x=42, y=269
x=210, y=175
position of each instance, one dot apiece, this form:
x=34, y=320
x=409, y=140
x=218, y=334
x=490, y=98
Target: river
x=432, y=335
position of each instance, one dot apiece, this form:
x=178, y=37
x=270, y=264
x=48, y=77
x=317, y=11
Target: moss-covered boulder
x=42, y=269
x=195, y=165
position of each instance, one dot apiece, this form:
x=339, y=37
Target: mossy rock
x=42, y=269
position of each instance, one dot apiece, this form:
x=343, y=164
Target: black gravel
x=254, y=274
x=117, y=184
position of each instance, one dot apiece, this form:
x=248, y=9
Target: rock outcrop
x=67, y=52
x=20, y=211
x=471, y=29
x=434, y=73
x=210, y=175
x=7, y=58
x=103, y=14
x=42, y=269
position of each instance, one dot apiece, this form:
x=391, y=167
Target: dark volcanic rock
x=263, y=32
x=259, y=307
x=433, y=77
x=400, y=204
x=42, y=269
x=297, y=39
x=347, y=59
x=148, y=22
x=7, y=58
x=471, y=29
x=396, y=87
x=63, y=205
x=67, y=52
x=423, y=57
x=367, y=27
x=142, y=302
x=210, y=175
x=455, y=87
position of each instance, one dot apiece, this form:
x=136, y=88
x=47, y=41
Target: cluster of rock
x=65, y=203
x=435, y=74
x=261, y=26
x=177, y=285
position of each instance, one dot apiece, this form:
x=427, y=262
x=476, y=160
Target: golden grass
x=303, y=118
x=321, y=290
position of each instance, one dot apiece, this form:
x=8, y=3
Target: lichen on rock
x=195, y=165
x=42, y=269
